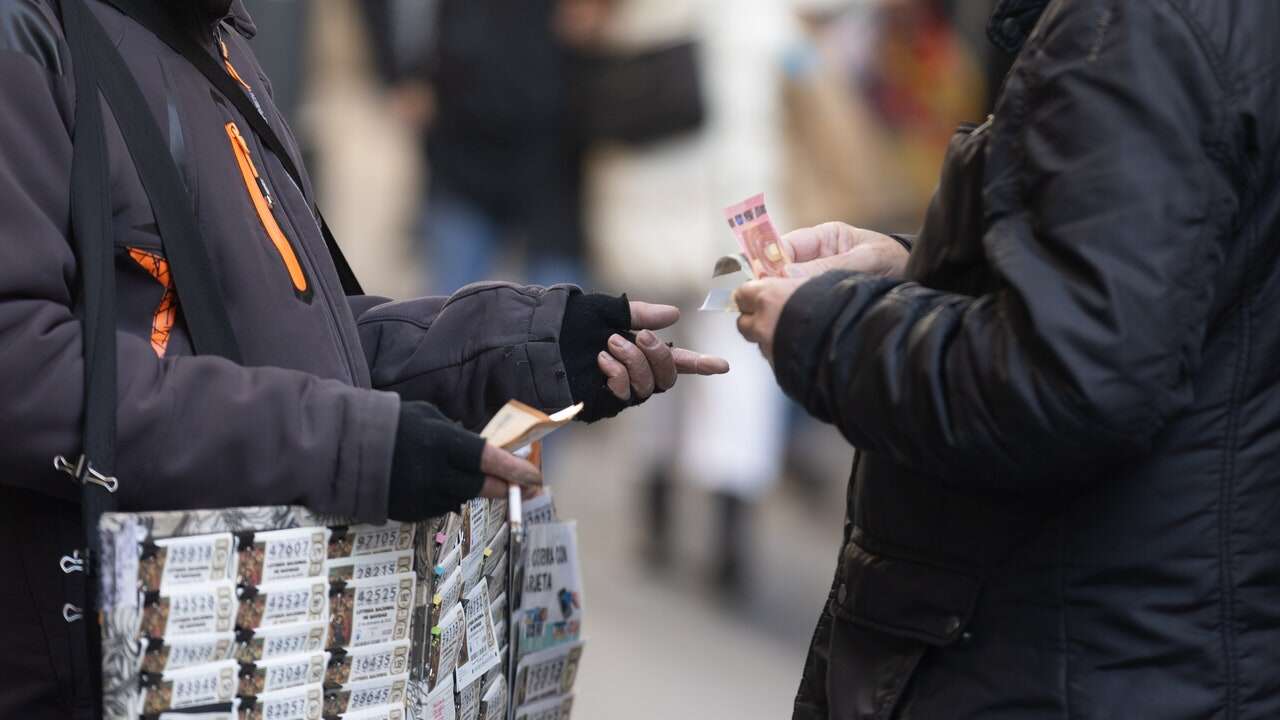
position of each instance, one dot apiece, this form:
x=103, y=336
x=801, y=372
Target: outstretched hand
x=838, y=246
x=637, y=370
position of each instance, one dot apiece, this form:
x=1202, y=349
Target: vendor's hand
x=837, y=246
x=636, y=370
x=761, y=303
x=502, y=469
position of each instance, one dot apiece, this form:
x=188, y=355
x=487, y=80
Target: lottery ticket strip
x=276, y=613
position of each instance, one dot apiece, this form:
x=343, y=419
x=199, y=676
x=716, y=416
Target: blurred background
x=595, y=142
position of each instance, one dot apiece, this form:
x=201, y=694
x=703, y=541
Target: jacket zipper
x=263, y=203
x=335, y=326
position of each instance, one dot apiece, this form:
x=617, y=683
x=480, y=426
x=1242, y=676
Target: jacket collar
x=1012, y=22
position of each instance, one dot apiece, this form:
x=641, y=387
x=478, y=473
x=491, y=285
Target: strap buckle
x=72, y=613
x=72, y=563
x=83, y=472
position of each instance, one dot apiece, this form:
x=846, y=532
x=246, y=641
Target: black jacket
x=1067, y=502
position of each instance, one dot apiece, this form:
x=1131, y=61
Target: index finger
x=502, y=465
x=812, y=243
x=648, y=316
x=689, y=362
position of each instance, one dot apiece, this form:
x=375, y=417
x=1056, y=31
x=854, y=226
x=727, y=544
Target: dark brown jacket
x=297, y=423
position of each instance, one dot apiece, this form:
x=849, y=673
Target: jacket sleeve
x=1106, y=232
x=193, y=432
x=472, y=352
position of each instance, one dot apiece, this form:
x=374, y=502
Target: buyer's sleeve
x=1107, y=236
x=472, y=352
x=193, y=432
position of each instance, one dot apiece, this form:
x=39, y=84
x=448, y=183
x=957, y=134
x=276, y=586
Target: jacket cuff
x=546, y=363
x=802, y=332
x=371, y=428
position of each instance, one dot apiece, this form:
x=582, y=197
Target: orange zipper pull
x=248, y=156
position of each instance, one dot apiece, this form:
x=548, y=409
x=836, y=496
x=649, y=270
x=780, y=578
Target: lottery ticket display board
x=277, y=613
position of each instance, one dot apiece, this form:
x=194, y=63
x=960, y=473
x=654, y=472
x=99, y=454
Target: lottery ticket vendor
x=1065, y=394
x=345, y=404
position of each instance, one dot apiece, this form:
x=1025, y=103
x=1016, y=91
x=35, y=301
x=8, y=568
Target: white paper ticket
x=493, y=702
x=469, y=700
x=283, y=603
x=556, y=708
x=497, y=517
x=275, y=555
x=471, y=566
x=232, y=712
x=367, y=694
x=371, y=539
x=440, y=705
x=382, y=712
x=448, y=563
x=482, y=645
x=448, y=635
x=368, y=566
x=373, y=610
x=303, y=703
x=193, y=687
x=476, y=517
x=497, y=580
x=498, y=608
x=172, y=562
x=447, y=595
x=191, y=610
x=283, y=673
x=546, y=673
x=273, y=642
x=368, y=662
x=541, y=509
x=495, y=550
x=187, y=651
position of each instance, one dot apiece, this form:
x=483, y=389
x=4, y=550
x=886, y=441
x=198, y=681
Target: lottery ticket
x=555, y=708
x=495, y=550
x=368, y=566
x=446, y=643
x=358, y=540
x=541, y=509
x=282, y=673
x=203, y=685
x=190, y=610
x=275, y=555
x=366, y=694
x=474, y=522
x=186, y=651
x=546, y=673
x=482, y=644
x=382, y=712
x=493, y=701
x=367, y=663
x=283, y=603
x=274, y=642
x=228, y=711
x=171, y=562
x=472, y=564
x=447, y=595
x=469, y=699
x=372, y=610
x=440, y=705
x=496, y=518
x=302, y=703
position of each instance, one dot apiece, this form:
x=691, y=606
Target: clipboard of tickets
x=281, y=613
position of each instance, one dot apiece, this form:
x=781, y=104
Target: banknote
x=757, y=237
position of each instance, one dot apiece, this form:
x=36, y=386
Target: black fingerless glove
x=435, y=466
x=589, y=321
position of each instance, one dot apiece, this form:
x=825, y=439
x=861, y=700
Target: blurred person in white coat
x=654, y=216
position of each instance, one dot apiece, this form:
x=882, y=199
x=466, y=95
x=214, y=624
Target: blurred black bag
x=641, y=97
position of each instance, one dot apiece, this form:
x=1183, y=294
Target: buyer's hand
x=636, y=370
x=761, y=303
x=837, y=246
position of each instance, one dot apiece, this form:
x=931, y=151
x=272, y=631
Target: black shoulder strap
x=150, y=15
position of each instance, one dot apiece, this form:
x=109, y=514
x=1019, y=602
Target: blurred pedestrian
x=1065, y=502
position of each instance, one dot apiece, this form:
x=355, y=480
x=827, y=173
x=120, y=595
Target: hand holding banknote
x=838, y=246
